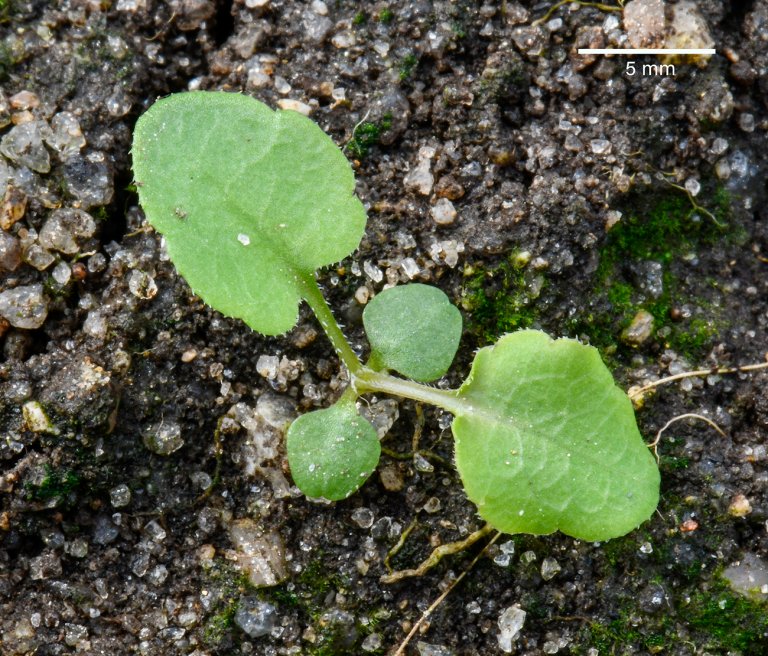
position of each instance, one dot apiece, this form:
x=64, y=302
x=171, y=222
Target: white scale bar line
x=646, y=51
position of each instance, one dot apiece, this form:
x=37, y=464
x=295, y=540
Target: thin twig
x=425, y=615
x=354, y=130
x=694, y=204
x=688, y=415
x=218, y=452
x=399, y=545
x=437, y=555
x=637, y=393
x=557, y=5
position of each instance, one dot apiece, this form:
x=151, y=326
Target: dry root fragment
x=437, y=555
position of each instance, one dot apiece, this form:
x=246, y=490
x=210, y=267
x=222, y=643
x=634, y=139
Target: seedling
x=545, y=440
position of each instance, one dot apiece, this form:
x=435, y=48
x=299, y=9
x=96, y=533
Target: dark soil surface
x=141, y=458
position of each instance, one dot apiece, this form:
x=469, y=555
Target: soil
x=142, y=463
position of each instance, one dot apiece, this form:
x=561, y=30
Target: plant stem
x=314, y=298
x=363, y=378
x=366, y=380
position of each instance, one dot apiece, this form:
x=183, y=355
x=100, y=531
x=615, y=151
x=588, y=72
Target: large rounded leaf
x=414, y=330
x=546, y=441
x=250, y=201
x=332, y=452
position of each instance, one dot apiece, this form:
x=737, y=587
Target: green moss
x=315, y=579
x=386, y=15
x=620, y=550
x=8, y=60
x=366, y=135
x=728, y=621
x=662, y=228
x=674, y=463
x=713, y=618
x=219, y=625
x=501, y=299
x=58, y=483
x=498, y=85
x=361, y=18
x=407, y=66
x=227, y=584
x=6, y=11
x=459, y=29
x=696, y=338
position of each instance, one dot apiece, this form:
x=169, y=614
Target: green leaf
x=549, y=442
x=414, y=330
x=251, y=201
x=332, y=452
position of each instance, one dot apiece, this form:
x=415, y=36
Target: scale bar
x=646, y=51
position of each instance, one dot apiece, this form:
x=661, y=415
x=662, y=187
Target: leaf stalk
x=366, y=380
x=316, y=301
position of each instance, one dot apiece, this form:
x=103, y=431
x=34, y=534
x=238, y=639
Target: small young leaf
x=549, y=442
x=332, y=452
x=414, y=330
x=251, y=201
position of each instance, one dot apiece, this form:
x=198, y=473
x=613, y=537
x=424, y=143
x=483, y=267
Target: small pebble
x=13, y=208
x=89, y=179
x=371, y=643
x=65, y=229
x=255, y=617
x=24, y=146
x=189, y=355
x=24, y=100
x=362, y=295
x=120, y=496
x=372, y=271
x=549, y=568
x=432, y=505
x=747, y=122
x=693, y=186
x=24, y=307
x=363, y=517
x=260, y=553
x=95, y=325
x=158, y=575
x=427, y=649
x=600, y=146
x=164, y=438
x=295, y=106
x=10, y=252
x=36, y=420
x=739, y=506
x=443, y=212
x=723, y=169
x=409, y=267
x=420, y=178
x=74, y=634
x=62, y=273
x=644, y=23
x=639, y=330
x=510, y=623
x=142, y=285
x=36, y=256
x=66, y=137
x=267, y=366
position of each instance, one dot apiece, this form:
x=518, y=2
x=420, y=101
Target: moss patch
x=661, y=230
x=57, y=484
x=500, y=299
x=714, y=619
x=407, y=67
x=366, y=135
x=226, y=584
